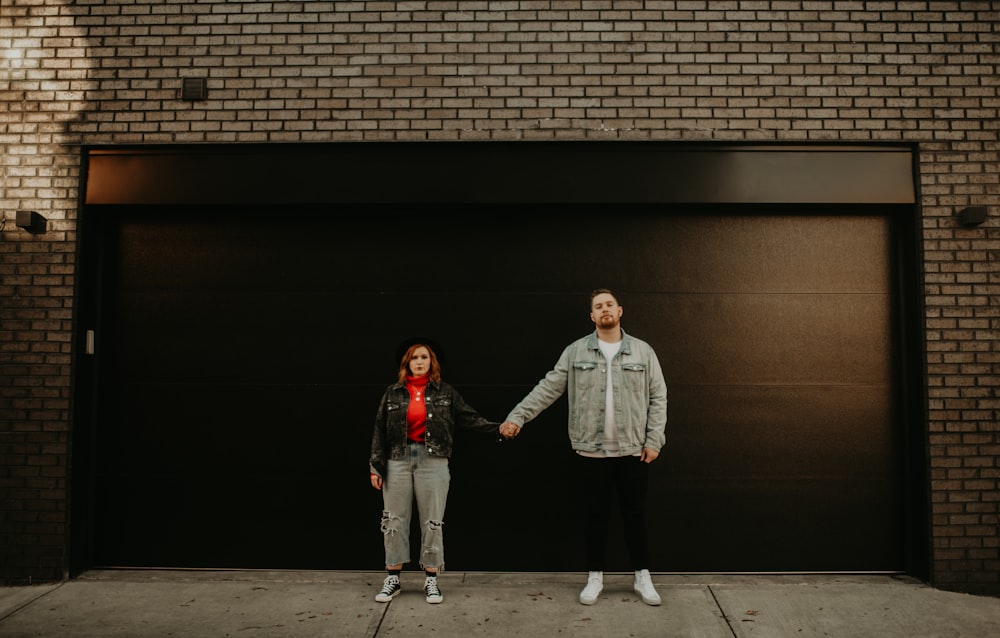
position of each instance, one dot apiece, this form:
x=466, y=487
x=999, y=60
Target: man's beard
x=607, y=321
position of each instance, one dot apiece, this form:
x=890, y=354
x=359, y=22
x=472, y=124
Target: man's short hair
x=603, y=291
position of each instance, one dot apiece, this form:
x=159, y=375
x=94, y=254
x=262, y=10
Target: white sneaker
x=595, y=584
x=644, y=587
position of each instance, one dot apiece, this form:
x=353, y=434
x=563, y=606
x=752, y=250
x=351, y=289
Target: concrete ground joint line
x=376, y=623
x=718, y=605
x=14, y=611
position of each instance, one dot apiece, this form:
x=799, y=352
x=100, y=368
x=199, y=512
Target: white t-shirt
x=610, y=447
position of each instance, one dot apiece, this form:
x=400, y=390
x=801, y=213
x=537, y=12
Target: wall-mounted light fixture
x=194, y=89
x=972, y=215
x=31, y=221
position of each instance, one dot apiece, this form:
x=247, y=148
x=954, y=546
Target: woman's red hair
x=434, y=374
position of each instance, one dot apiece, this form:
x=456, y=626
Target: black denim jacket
x=445, y=409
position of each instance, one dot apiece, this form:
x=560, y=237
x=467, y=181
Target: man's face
x=605, y=311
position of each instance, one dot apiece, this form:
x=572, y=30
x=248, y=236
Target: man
x=617, y=422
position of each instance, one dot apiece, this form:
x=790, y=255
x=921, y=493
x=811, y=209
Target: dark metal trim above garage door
x=454, y=172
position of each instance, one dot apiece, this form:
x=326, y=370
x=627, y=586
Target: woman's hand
x=509, y=429
x=376, y=481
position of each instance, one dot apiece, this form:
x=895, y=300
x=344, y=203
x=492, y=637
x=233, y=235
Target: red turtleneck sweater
x=416, y=411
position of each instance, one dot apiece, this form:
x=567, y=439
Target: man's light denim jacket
x=640, y=394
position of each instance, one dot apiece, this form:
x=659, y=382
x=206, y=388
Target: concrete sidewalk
x=190, y=604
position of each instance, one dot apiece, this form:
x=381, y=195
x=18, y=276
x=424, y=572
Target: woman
x=413, y=440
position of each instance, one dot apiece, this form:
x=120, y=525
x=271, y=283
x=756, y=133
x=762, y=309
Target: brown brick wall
x=96, y=72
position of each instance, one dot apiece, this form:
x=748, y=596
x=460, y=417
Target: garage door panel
x=768, y=338
x=243, y=429
x=717, y=338
x=274, y=336
x=813, y=524
x=221, y=335
x=767, y=254
x=787, y=432
x=237, y=521
x=360, y=249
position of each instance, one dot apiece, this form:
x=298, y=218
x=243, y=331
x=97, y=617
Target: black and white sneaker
x=431, y=590
x=390, y=589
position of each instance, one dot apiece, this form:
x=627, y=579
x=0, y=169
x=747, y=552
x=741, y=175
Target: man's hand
x=509, y=429
x=648, y=455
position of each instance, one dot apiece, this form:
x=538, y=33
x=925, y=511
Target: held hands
x=509, y=429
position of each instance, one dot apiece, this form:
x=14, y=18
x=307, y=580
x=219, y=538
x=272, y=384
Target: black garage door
x=241, y=348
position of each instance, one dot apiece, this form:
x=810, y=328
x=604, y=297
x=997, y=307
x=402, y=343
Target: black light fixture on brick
x=194, y=89
x=972, y=215
x=31, y=221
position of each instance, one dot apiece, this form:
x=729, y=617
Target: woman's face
x=420, y=364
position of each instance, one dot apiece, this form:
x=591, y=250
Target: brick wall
x=95, y=72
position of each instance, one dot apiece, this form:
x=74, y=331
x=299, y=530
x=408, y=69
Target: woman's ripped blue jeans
x=423, y=478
